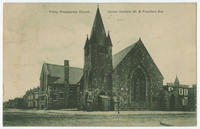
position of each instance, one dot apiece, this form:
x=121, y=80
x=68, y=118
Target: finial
x=108, y=32
x=140, y=38
x=97, y=5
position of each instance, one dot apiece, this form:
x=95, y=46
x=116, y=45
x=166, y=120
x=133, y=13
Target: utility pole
x=118, y=105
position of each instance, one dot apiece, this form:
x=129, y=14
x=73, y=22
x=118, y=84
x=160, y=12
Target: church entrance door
x=138, y=92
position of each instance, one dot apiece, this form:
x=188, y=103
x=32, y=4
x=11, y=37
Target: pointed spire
x=86, y=42
x=176, y=82
x=108, y=39
x=140, y=41
x=98, y=29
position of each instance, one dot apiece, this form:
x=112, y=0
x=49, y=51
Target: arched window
x=138, y=86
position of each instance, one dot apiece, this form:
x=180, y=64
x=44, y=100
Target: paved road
x=16, y=117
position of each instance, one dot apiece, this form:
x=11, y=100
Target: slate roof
x=57, y=71
x=179, y=86
x=184, y=86
x=118, y=57
x=31, y=91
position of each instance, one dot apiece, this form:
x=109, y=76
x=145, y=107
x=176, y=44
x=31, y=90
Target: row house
x=14, y=103
x=31, y=98
x=177, y=96
x=192, y=98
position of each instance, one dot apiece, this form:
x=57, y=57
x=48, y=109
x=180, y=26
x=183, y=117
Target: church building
x=128, y=80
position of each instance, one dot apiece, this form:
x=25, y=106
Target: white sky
x=33, y=36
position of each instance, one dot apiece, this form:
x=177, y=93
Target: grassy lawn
x=17, y=117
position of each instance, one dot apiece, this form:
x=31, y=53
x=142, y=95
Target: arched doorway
x=138, y=88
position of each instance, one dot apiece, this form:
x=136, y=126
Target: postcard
x=100, y=64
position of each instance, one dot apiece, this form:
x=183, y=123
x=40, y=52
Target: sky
x=35, y=33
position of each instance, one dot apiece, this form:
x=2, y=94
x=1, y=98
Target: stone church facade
x=129, y=80
x=136, y=78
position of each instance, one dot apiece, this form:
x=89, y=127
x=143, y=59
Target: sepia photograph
x=99, y=64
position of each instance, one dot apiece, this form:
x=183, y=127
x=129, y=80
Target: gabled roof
x=57, y=71
x=108, y=40
x=31, y=91
x=118, y=57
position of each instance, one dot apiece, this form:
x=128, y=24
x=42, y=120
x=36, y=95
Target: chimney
x=66, y=72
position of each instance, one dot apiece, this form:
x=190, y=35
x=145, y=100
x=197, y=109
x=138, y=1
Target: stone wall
x=56, y=96
x=137, y=58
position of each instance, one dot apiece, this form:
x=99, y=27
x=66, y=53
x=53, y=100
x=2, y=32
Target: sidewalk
x=18, y=117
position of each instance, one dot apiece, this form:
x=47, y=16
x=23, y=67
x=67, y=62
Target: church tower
x=97, y=76
x=176, y=82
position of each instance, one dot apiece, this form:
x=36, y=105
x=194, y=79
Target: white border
x=96, y=1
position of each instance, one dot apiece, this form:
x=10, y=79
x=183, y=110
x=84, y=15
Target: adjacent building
x=31, y=99
x=178, y=96
x=58, y=86
x=17, y=103
x=192, y=98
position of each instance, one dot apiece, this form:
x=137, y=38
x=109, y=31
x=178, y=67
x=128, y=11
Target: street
x=19, y=117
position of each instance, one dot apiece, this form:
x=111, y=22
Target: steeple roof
x=98, y=29
x=86, y=42
x=176, y=80
x=108, y=40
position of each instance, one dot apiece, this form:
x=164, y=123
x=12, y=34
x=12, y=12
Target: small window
x=185, y=101
x=36, y=104
x=170, y=88
x=185, y=91
x=180, y=91
x=36, y=96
